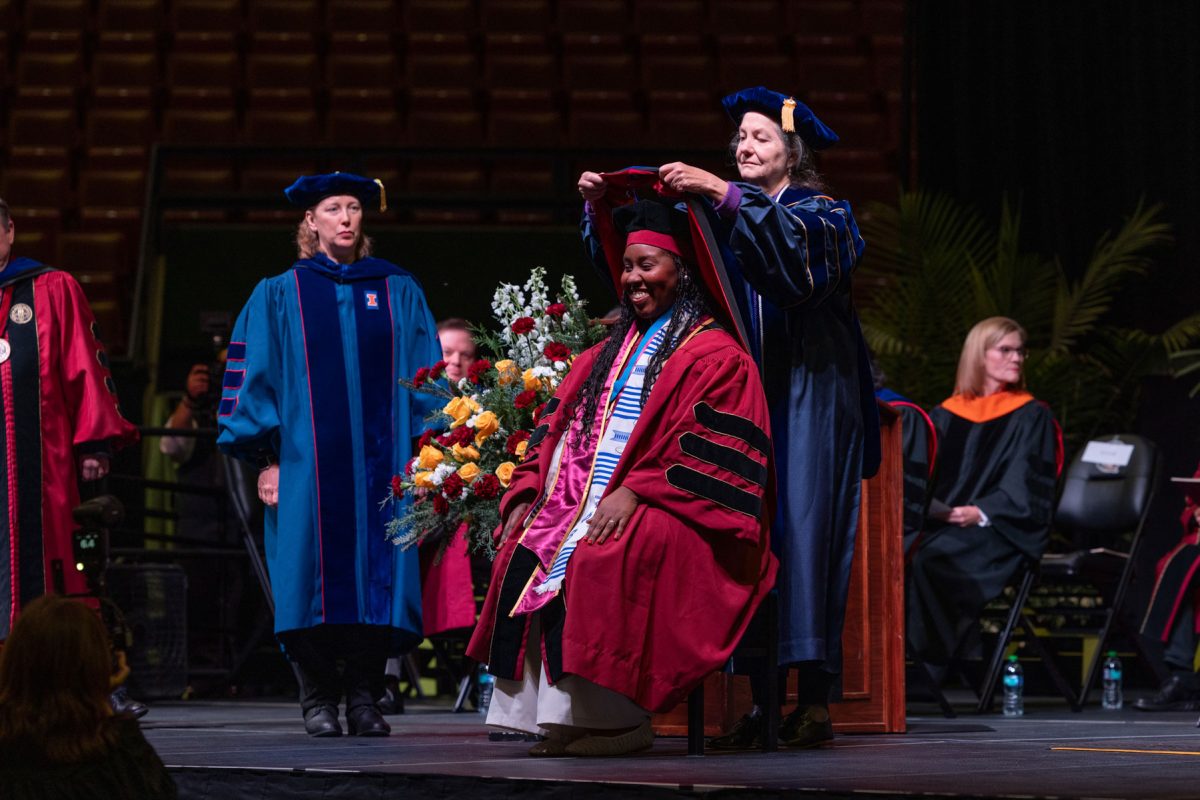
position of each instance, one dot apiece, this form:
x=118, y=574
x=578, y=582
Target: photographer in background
x=205, y=518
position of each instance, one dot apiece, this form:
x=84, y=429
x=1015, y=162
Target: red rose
x=425, y=439
x=436, y=371
x=487, y=487
x=475, y=373
x=421, y=375
x=514, y=440
x=557, y=351
x=397, y=486
x=440, y=506
x=453, y=486
x=537, y=413
x=522, y=325
x=525, y=398
x=556, y=310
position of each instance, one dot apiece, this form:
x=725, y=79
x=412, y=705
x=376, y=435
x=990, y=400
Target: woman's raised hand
x=592, y=187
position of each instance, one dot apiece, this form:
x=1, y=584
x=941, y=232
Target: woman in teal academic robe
x=311, y=394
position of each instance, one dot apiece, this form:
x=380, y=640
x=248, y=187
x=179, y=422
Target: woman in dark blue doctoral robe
x=790, y=251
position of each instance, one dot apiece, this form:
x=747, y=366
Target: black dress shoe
x=392, y=701
x=321, y=721
x=124, y=705
x=367, y=721
x=1178, y=693
x=807, y=726
x=746, y=734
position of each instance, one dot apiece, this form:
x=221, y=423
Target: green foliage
x=935, y=268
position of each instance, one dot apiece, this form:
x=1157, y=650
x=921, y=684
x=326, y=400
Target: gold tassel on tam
x=382, y=195
x=788, y=116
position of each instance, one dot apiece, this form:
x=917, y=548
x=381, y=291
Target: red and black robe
x=1176, y=579
x=651, y=614
x=57, y=402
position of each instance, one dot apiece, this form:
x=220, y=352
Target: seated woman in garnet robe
x=634, y=543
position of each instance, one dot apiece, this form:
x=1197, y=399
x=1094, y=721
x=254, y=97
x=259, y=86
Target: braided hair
x=691, y=306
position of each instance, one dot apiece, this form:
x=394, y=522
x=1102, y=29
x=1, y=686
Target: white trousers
x=533, y=705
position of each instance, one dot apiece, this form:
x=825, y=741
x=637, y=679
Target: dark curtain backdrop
x=1076, y=109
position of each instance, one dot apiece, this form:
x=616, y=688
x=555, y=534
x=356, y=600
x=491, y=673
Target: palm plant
x=935, y=268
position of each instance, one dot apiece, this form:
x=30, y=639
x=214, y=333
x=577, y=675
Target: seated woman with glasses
x=998, y=455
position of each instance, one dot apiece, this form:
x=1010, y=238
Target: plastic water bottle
x=1114, y=697
x=1014, y=688
x=484, y=697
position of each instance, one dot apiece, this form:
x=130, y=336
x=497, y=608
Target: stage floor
x=259, y=749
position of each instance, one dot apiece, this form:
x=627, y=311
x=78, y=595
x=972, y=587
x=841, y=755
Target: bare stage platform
x=247, y=749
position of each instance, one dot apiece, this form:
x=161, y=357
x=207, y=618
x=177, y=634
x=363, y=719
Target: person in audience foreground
x=633, y=544
x=999, y=453
x=59, y=736
x=791, y=250
x=311, y=394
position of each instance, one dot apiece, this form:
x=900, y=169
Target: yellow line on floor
x=1120, y=750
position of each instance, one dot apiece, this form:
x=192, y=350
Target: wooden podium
x=873, y=639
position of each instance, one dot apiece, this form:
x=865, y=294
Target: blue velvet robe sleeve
x=250, y=412
x=798, y=251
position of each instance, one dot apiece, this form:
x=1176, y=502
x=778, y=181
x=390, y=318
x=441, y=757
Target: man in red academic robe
x=59, y=420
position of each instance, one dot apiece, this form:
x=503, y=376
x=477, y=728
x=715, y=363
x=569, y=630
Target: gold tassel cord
x=788, y=117
x=382, y=195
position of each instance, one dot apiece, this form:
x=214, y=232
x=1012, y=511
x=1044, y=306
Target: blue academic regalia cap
x=308, y=190
x=790, y=113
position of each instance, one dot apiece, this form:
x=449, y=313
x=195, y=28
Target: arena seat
x=441, y=61
x=604, y=119
x=593, y=17
x=357, y=70
x=192, y=16
x=277, y=71
x=696, y=117
x=747, y=17
x=514, y=16
x=519, y=61
x=63, y=15
x=599, y=62
x=444, y=117
x=675, y=62
x=445, y=16
x=669, y=17
x=130, y=15
x=362, y=16
x=824, y=17
x=300, y=16
x=518, y=118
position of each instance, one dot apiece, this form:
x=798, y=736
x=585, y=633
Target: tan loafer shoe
x=640, y=738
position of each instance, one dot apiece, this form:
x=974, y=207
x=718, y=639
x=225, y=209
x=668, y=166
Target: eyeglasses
x=1009, y=352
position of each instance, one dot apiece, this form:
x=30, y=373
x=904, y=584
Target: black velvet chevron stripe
x=551, y=406
x=714, y=490
x=538, y=434
x=731, y=425
x=719, y=455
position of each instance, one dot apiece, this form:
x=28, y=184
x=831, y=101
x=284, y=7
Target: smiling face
x=1002, y=363
x=761, y=155
x=337, y=222
x=650, y=280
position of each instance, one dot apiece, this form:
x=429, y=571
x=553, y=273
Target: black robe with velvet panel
x=1005, y=465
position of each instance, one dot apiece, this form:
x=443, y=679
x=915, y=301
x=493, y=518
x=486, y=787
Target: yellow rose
x=504, y=473
x=430, y=457
x=468, y=472
x=521, y=448
x=459, y=410
x=424, y=480
x=508, y=371
x=485, y=425
x=531, y=382
x=464, y=454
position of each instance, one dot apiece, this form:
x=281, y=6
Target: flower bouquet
x=467, y=455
